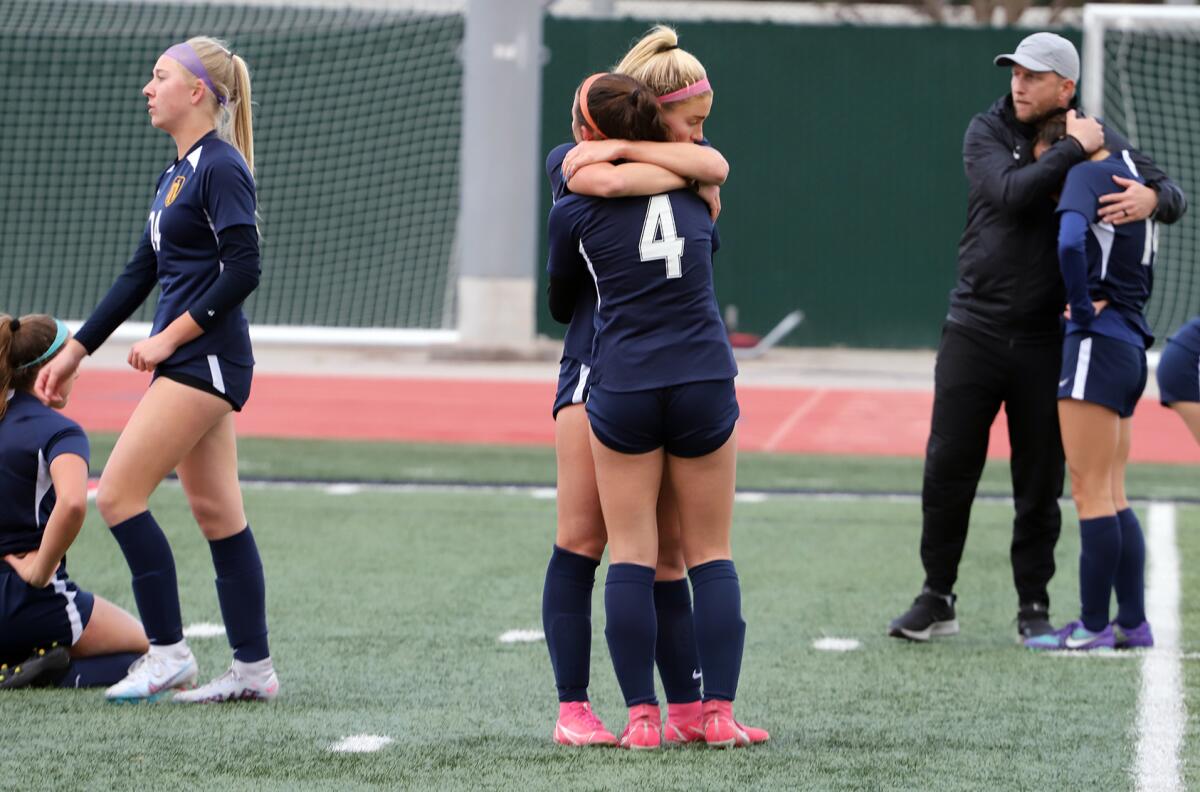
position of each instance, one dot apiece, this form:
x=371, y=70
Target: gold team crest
x=173, y=193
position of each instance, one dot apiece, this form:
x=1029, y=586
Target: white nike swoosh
x=696, y=675
x=1063, y=382
x=1075, y=643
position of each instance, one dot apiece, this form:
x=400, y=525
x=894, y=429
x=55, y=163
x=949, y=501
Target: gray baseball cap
x=1044, y=52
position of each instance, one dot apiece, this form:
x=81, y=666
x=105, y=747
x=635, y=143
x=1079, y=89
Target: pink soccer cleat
x=722, y=731
x=644, y=732
x=578, y=725
x=685, y=724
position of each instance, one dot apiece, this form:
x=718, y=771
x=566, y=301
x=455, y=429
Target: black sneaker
x=1033, y=619
x=931, y=614
x=42, y=667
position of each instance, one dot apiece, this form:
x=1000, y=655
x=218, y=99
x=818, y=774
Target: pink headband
x=695, y=89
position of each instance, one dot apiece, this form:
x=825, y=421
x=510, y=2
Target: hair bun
x=14, y=325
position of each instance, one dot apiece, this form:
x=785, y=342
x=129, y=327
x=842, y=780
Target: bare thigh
x=1120, y=463
x=109, y=631
x=209, y=476
x=580, y=519
x=704, y=488
x=170, y=419
x=1190, y=413
x=1091, y=437
x=670, y=550
x=628, y=485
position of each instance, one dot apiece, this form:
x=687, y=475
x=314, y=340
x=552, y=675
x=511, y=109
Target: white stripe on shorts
x=214, y=366
x=577, y=396
x=60, y=587
x=1081, y=368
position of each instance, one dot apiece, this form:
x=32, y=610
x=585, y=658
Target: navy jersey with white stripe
x=577, y=343
x=32, y=436
x=1120, y=258
x=650, y=258
x=207, y=191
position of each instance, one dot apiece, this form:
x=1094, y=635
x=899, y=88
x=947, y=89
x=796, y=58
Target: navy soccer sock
x=242, y=592
x=98, y=671
x=1131, y=572
x=154, y=586
x=1098, y=558
x=720, y=631
x=675, y=648
x=629, y=608
x=567, y=620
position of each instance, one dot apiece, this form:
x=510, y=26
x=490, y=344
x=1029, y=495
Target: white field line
x=836, y=644
x=360, y=743
x=204, y=630
x=521, y=636
x=1162, y=714
x=802, y=409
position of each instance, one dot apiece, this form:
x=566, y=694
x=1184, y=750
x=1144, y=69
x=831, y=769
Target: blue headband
x=60, y=338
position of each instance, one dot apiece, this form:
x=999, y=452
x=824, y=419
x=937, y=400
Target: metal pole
x=497, y=225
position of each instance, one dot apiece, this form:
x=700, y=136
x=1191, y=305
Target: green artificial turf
x=416, y=462
x=385, y=609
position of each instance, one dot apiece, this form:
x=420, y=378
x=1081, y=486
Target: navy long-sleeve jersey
x=1101, y=261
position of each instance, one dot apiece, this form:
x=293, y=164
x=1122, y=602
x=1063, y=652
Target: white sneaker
x=156, y=673
x=242, y=682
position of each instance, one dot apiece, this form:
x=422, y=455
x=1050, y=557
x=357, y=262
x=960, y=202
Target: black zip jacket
x=1009, y=285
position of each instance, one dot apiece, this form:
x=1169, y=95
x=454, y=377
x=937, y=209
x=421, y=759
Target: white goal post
x=1141, y=74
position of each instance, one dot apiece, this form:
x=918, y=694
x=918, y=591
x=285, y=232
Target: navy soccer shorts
x=1178, y=375
x=573, y=384
x=688, y=420
x=32, y=618
x=1103, y=371
x=212, y=374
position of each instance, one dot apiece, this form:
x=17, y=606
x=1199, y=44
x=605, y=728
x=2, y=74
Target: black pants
x=975, y=374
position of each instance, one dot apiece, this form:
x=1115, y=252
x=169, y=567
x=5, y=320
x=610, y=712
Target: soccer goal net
x=1141, y=73
x=357, y=126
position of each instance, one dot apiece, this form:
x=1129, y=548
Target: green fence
x=846, y=195
x=356, y=140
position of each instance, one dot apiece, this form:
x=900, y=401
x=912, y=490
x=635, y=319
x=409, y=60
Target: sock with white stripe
x=1099, y=555
x=98, y=671
x=242, y=593
x=675, y=647
x=155, y=588
x=630, y=630
x=1131, y=572
x=567, y=620
x=720, y=630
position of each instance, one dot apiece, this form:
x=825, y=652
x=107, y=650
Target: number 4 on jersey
x=658, y=236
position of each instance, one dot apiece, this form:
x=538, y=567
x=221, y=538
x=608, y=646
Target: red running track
x=790, y=420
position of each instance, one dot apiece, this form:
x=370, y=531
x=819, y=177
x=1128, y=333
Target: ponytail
x=231, y=106
x=656, y=60
x=8, y=327
x=243, y=123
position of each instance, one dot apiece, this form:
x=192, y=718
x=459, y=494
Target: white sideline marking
x=343, y=489
x=544, y=493
x=204, y=630
x=836, y=644
x=1162, y=716
x=803, y=409
x=750, y=497
x=521, y=636
x=360, y=743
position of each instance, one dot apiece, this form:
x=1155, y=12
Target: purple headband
x=188, y=59
x=695, y=89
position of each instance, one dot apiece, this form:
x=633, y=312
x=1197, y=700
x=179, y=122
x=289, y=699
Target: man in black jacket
x=1002, y=339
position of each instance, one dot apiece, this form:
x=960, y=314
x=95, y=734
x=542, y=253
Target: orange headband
x=583, y=103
